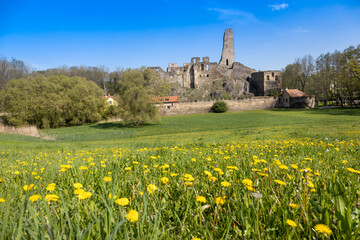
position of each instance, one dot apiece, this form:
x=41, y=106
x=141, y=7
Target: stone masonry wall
x=255, y=103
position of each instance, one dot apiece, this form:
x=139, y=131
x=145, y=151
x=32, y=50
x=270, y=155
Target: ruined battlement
x=199, y=73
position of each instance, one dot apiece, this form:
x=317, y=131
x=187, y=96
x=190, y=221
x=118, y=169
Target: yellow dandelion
x=51, y=198
x=201, y=199
x=322, y=228
x=132, y=216
x=151, y=188
x=34, y=198
x=291, y=223
x=122, y=201
x=164, y=180
x=280, y=182
x=78, y=185
x=247, y=182
x=220, y=200
x=293, y=205
x=107, y=179
x=225, y=184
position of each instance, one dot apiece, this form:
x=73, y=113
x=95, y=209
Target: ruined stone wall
x=264, y=82
x=272, y=81
x=256, y=103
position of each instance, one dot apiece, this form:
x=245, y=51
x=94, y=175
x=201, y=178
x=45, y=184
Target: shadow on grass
x=118, y=125
x=348, y=111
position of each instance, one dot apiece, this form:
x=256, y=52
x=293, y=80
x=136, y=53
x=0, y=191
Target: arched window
x=276, y=77
x=267, y=77
x=272, y=74
x=227, y=62
x=207, y=67
x=202, y=67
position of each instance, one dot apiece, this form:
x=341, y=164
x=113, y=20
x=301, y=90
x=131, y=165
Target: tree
x=306, y=64
x=349, y=76
x=55, y=101
x=136, y=88
x=291, y=76
x=11, y=70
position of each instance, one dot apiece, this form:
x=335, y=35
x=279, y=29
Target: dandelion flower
x=84, y=195
x=247, y=182
x=50, y=187
x=293, y=205
x=28, y=187
x=34, y=198
x=220, y=200
x=2, y=200
x=151, y=188
x=291, y=223
x=164, y=180
x=280, y=182
x=201, y=199
x=225, y=184
x=122, y=201
x=51, y=197
x=107, y=179
x=282, y=166
x=132, y=216
x=322, y=228
x=78, y=185
x=294, y=166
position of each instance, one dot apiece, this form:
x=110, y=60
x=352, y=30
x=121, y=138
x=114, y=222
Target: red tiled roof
x=295, y=93
x=167, y=99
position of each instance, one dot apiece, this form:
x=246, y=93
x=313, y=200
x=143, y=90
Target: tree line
x=330, y=77
x=76, y=95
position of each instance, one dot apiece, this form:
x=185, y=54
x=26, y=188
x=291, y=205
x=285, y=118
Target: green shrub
x=219, y=107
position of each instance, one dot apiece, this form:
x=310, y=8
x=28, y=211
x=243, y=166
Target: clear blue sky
x=268, y=34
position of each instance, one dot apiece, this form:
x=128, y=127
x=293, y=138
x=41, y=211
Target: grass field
x=279, y=174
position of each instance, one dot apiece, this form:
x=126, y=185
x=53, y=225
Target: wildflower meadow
x=285, y=187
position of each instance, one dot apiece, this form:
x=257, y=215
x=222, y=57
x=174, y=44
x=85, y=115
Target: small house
x=110, y=99
x=294, y=98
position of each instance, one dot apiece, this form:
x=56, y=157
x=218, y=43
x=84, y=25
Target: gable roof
x=167, y=99
x=295, y=93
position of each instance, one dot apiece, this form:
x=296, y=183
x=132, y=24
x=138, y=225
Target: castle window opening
x=272, y=74
x=276, y=77
x=207, y=75
x=227, y=62
x=202, y=67
x=267, y=77
x=207, y=67
x=167, y=107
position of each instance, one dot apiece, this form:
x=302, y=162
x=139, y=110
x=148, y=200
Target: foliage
x=96, y=74
x=136, y=87
x=219, y=107
x=55, y=101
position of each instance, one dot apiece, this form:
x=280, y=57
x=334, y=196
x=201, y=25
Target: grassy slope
x=177, y=130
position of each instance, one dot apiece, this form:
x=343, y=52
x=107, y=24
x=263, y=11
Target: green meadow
x=203, y=128
x=274, y=174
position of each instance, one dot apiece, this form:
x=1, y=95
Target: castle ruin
x=197, y=73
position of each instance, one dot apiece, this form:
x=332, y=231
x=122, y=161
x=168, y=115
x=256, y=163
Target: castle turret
x=228, y=53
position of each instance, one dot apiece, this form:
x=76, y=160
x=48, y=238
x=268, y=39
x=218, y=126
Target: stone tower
x=228, y=53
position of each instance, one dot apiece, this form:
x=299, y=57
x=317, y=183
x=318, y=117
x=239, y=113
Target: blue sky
x=268, y=34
